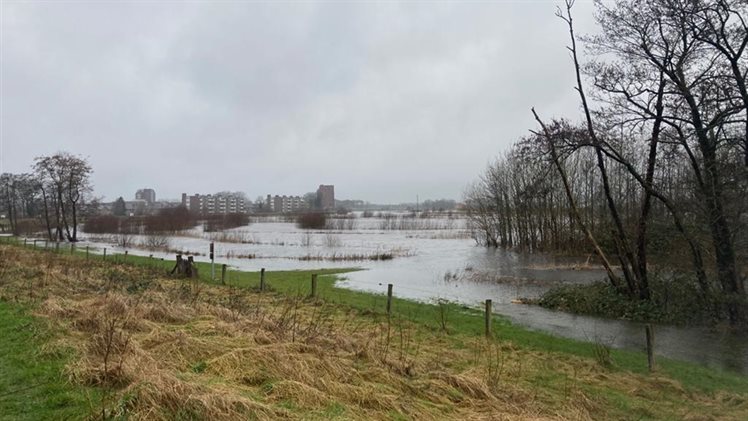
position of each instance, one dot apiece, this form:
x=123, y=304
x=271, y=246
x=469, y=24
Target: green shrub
x=675, y=299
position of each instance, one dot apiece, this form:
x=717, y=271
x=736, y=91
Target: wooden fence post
x=192, y=271
x=34, y=243
x=389, y=299
x=212, y=264
x=223, y=274
x=650, y=347
x=314, y=286
x=72, y=248
x=124, y=259
x=488, y=318
x=24, y=242
x=104, y=253
x=86, y=252
x=57, y=246
x=262, y=279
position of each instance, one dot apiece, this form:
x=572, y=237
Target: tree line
x=658, y=162
x=57, y=194
x=52, y=197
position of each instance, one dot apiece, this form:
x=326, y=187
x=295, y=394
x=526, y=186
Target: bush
x=102, y=224
x=156, y=242
x=675, y=299
x=29, y=226
x=224, y=222
x=170, y=220
x=167, y=220
x=311, y=220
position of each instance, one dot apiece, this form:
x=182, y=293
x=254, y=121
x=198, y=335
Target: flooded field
x=430, y=259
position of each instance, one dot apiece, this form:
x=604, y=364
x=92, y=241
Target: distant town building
x=149, y=195
x=214, y=204
x=285, y=204
x=326, y=196
x=136, y=207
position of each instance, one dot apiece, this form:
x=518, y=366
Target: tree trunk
x=724, y=251
x=641, y=232
x=64, y=216
x=614, y=280
x=626, y=257
x=74, y=238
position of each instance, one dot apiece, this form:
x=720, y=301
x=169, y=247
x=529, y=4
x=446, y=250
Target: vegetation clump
x=216, y=223
x=342, y=257
x=675, y=300
x=312, y=220
x=167, y=220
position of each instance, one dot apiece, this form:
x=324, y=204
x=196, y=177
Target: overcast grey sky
x=383, y=100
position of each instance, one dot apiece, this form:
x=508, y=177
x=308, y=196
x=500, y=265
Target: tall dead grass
x=165, y=348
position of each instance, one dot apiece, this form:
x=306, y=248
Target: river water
x=435, y=259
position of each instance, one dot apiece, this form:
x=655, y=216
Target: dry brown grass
x=165, y=348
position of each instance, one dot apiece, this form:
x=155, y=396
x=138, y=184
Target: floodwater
x=435, y=259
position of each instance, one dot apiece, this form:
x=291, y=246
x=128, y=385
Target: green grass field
x=33, y=385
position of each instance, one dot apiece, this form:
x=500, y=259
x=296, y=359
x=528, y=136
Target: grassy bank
x=458, y=319
x=33, y=384
x=232, y=352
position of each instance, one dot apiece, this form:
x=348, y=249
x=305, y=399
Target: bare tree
x=722, y=26
x=548, y=135
x=65, y=181
x=701, y=69
x=19, y=198
x=660, y=152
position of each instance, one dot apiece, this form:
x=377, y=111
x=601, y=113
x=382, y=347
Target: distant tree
x=312, y=200
x=91, y=208
x=439, y=204
x=260, y=204
x=19, y=198
x=119, y=208
x=241, y=195
x=9, y=197
x=65, y=182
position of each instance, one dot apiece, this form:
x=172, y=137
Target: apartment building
x=149, y=195
x=214, y=204
x=285, y=204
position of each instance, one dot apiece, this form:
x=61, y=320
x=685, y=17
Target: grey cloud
x=385, y=101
